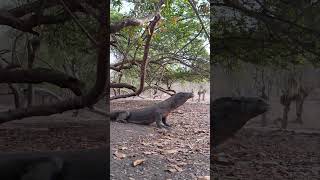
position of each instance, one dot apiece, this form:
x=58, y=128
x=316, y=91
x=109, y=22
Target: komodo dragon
x=229, y=114
x=73, y=165
x=156, y=113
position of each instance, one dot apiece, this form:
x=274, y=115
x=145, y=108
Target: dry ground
x=180, y=153
x=56, y=132
x=270, y=153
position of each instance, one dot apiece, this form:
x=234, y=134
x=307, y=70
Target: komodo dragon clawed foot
x=164, y=121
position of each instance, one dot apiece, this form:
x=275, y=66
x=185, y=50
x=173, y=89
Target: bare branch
x=116, y=27
x=8, y=19
x=78, y=23
x=30, y=7
x=123, y=85
x=40, y=75
x=192, y=3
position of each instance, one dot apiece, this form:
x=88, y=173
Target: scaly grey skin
x=156, y=113
x=77, y=165
x=229, y=114
x=30, y=168
x=48, y=168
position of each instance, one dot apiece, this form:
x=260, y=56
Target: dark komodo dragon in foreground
x=77, y=165
x=229, y=114
x=156, y=113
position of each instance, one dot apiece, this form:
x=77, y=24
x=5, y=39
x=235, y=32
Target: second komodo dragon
x=156, y=113
x=230, y=114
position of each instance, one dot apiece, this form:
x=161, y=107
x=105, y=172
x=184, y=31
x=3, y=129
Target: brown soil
x=56, y=132
x=264, y=153
x=180, y=153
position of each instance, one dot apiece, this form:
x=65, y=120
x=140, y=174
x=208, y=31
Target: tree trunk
x=299, y=109
x=16, y=95
x=264, y=115
x=285, y=100
x=284, y=121
x=31, y=55
x=264, y=120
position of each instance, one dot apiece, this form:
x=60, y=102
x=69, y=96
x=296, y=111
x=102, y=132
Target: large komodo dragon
x=77, y=165
x=229, y=114
x=156, y=113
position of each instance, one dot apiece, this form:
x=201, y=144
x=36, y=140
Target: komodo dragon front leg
x=159, y=121
x=164, y=121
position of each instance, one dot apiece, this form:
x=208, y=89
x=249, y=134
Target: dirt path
x=181, y=153
x=54, y=133
x=269, y=154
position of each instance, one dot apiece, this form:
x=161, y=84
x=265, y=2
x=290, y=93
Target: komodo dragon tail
x=119, y=115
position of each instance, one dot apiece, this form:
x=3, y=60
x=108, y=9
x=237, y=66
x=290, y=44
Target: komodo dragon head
x=229, y=114
x=180, y=98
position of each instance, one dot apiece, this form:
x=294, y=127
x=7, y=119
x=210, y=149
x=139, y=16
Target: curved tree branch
x=144, y=64
x=192, y=3
x=40, y=75
x=78, y=23
x=167, y=91
x=123, y=85
x=15, y=17
x=118, y=26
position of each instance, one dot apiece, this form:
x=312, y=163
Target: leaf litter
x=182, y=152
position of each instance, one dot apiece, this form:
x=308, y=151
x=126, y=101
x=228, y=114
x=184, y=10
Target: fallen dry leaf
x=158, y=144
x=138, y=162
x=148, y=152
x=119, y=155
x=178, y=168
x=197, y=131
x=171, y=151
x=175, y=167
x=182, y=164
x=203, y=178
x=145, y=143
x=172, y=170
x=123, y=148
